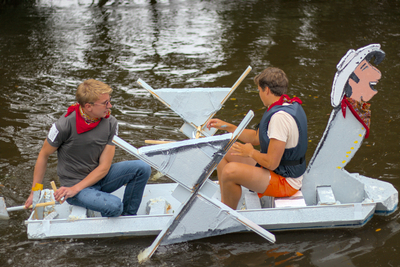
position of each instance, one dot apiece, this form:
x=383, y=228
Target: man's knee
x=229, y=172
x=113, y=209
x=146, y=169
x=140, y=168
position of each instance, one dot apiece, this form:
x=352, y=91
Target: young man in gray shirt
x=83, y=138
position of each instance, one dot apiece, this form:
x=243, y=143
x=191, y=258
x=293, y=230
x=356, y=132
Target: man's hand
x=29, y=201
x=220, y=125
x=216, y=123
x=243, y=150
x=65, y=192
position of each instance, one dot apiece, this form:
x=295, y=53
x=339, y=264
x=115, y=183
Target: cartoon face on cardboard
x=368, y=77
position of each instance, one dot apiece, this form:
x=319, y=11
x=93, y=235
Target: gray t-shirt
x=79, y=154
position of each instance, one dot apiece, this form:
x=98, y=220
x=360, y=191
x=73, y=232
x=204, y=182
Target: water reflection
x=48, y=49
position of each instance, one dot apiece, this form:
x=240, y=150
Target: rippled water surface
x=48, y=48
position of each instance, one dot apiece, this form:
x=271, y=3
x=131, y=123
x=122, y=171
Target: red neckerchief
x=358, y=109
x=285, y=99
x=81, y=124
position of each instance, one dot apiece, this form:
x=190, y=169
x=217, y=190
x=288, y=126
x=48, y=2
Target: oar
x=157, y=142
x=4, y=210
x=31, y=206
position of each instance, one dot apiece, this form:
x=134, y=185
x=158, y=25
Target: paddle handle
x=53, y=186
x=156, y=142
x=37, y=205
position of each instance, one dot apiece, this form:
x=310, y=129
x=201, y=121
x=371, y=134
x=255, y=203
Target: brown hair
x=273, y=78
x=90, y=90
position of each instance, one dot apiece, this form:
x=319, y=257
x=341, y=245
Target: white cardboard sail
x=195, y=105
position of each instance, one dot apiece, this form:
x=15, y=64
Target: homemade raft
x=191, y=209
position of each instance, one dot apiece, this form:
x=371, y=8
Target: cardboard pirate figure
x=359, y=87
x=348, y=125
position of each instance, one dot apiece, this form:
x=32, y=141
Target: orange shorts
x=278, y=187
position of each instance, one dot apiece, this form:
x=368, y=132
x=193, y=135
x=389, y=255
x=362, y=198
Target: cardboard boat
x=191, y=209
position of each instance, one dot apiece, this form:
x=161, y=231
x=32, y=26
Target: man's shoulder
x=294, y=109
x=111, y=123
x=283, y=116
x=111, y=120
x=60, y=129
x=66, y=122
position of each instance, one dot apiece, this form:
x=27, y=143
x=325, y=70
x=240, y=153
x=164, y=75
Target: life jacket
x=293, y=163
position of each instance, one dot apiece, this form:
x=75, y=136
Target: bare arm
x=247, y=136
x=96, y=175
x=268, y=160
x=40, y=167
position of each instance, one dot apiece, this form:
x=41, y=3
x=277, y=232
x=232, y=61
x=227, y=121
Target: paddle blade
x=145, y=254
x=3, y=210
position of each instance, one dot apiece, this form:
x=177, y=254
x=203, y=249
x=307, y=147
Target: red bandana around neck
x=83, y=125
x=359, y=110
x=285, y=99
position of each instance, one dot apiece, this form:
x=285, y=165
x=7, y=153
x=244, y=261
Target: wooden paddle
x=4, y=210
x=31, y=206
x=157, y=142
x=53, y=186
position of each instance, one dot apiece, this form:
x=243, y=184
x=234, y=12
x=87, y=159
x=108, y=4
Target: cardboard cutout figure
x=348, y=125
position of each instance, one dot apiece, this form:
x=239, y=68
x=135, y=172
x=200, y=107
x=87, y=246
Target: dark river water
x=47, y=49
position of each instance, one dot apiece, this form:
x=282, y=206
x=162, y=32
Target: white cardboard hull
x=273, y=219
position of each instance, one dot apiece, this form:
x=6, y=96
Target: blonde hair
x=90, y=90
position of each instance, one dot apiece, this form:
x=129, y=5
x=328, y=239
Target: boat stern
x=382, y=193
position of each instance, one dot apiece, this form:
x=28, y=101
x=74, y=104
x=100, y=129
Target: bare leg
x=236, y=174
x=227, y=159
x=220, y=167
